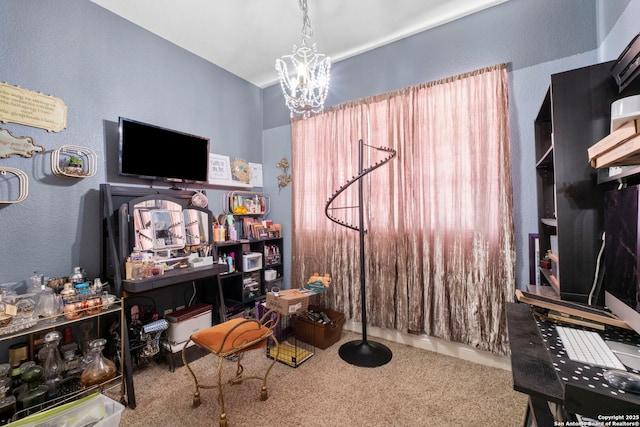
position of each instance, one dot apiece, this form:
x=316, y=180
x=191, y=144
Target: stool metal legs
x=264, y=395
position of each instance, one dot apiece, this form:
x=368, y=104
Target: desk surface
x=541, y=368
x=172, y=277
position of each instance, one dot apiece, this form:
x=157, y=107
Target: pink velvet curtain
x=440, y=253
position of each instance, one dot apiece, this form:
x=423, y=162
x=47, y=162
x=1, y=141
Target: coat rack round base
x=366, y=354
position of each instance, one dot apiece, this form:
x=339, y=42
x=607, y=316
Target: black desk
x=144, y=287
x=542, y=370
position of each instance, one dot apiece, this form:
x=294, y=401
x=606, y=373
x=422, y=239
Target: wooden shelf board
x=549, y=221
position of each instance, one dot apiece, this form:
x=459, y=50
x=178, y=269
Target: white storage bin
x=270, y=275
x=96, y=410
x=251, y=261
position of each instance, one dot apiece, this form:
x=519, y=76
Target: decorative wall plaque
x=26, y=107
x=23, y=145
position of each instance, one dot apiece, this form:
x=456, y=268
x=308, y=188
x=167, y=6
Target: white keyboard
x=588, y=347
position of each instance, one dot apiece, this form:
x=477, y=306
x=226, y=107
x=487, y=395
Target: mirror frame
x=127, y=240
x=128, y=245
x=208, y=225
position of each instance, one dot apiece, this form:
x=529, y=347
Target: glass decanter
x=100, y=369
x=52, y=363
x=35, y=394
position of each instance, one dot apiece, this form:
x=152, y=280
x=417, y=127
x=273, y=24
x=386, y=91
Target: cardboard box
x=288, y=302
x=318, y=334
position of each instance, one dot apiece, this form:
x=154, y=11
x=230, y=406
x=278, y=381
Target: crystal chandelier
x=304, y=75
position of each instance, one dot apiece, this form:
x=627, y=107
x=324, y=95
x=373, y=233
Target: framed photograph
x=256, y=174
x=219, y=169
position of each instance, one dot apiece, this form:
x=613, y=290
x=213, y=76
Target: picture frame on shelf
x=256, y=174
x=219, y=169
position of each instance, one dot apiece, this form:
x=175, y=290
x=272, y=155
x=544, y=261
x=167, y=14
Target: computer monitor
x=622, y=254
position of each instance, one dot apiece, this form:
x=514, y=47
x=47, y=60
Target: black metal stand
x=364, y=353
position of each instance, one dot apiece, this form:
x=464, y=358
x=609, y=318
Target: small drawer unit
x=251, y=261
x=251, y=286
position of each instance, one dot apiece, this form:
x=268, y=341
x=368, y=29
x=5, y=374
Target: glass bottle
x=26, y=308
x=37, y=283
x=7, y=409
x=50, y=305
x=100, y=369
x=68, y=292
x=52, y=364
x=5, y=379
x=71, y=363
x=35, y=394
x=136, y=264
x=5, y=318
x=78, y=275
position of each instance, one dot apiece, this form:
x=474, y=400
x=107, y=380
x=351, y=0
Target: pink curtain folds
x=440, y=255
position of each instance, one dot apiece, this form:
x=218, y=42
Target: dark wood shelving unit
x=574, y=115
x=232, y=284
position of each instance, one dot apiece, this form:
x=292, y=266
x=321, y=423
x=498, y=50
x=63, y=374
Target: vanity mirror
x=167, y=230
x=162, y=225
x=197, y=223
x=157, y=224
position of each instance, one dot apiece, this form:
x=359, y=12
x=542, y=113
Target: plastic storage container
x=251, y=261
x=97, y=410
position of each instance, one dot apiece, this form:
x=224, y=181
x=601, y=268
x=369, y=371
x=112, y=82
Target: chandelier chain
x=307, y=31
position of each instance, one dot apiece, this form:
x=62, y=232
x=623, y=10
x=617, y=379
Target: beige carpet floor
x=417, y=388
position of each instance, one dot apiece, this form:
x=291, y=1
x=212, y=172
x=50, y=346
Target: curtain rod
x=379, y=97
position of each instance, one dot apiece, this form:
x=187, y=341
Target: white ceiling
x=246, y=36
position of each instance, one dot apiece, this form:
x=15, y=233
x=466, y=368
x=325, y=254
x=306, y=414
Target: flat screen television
x=152, y=152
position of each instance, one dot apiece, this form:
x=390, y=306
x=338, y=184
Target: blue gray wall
x=103, y=67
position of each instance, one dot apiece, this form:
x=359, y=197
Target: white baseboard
x=436, y=345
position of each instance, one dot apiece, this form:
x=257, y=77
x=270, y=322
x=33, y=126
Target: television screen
x=152, y=152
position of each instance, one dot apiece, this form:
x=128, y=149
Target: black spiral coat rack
x=362, y=352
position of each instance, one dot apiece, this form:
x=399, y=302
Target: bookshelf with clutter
x=250, y=247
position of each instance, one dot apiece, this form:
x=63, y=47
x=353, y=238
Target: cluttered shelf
x=34, y=325
x=41, y=382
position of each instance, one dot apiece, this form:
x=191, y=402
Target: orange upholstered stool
x=233, y=338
